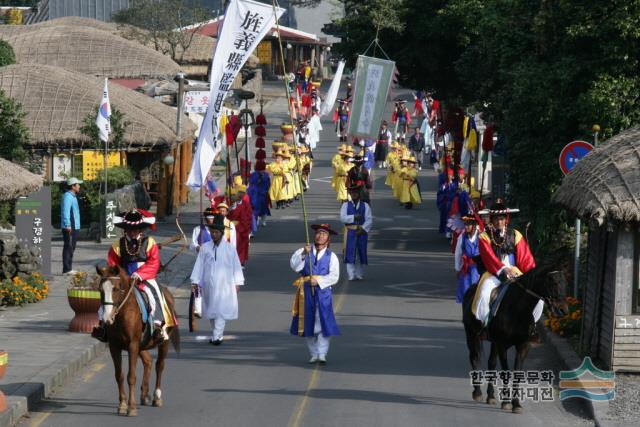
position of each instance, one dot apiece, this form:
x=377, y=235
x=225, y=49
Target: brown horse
x=124, y=326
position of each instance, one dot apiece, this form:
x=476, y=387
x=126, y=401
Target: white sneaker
x=70, y=273
x=313, y=359
x=419, y=168
x=359, y=277
x=351, y=279
x=264, y=223
x=322, y=359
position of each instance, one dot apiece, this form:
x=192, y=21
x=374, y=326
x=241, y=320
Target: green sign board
x=373, y=78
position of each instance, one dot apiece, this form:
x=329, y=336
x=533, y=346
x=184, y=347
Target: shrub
x=23, y=290
x=7, y=56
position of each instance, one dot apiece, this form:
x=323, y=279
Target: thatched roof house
x=604, y=188
x=57, y=101
x=16, y=181
x=605, y=184
x=90, y=51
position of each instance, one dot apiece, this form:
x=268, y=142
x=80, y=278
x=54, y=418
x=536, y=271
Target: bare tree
x=167, y=25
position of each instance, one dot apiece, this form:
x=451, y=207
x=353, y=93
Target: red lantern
x=261, y=119
x=260, y=143
x=261, y=131
x=261, y=155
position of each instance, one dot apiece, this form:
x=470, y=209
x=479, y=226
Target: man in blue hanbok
x=467, y=257
x=312, y=309
x=259, y=183
x=356, y=216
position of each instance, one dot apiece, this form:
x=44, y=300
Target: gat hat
x=323, y=227
x=135, y=219
x=209, y=212
x=498, y=209
x=469, y=218
x=218, y=223
x=73, y=180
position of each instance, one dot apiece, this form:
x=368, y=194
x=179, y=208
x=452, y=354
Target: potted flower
x=84, y=300
x=4, y=361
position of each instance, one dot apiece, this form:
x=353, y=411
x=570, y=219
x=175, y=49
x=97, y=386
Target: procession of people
x=486, y=252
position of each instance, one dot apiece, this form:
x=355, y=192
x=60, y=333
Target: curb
x=570, y=360
x=58, y=374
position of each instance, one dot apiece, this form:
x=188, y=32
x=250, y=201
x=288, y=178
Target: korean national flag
x=103, y=120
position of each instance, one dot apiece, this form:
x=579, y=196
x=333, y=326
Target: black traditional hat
x=498, y=209
x=323, y=227
x=218, y=222
x=135, y=219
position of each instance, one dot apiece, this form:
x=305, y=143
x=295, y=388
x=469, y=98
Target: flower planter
x=85, y=303
x=4, y=361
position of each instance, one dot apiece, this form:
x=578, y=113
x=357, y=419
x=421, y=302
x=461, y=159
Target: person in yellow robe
x=391, y=157
x=342, y=171
x=335, y=162
x=278, y=170
x=409, y=188
x=294, y=177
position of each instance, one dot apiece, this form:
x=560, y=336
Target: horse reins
x=126, y=297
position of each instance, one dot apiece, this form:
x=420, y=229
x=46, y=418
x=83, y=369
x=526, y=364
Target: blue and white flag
x=103, y=120
x=246, y=22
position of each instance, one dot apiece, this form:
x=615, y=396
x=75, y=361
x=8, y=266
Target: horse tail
x=175, y=338
x=174, y=335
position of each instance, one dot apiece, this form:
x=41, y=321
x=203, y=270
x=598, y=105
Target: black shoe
x=408, y=206
x=215, y=342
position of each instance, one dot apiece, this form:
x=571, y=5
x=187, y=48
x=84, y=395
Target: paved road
x=401, y=361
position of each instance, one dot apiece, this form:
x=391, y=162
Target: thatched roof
x=605, y=184
x=200, y=50
x=90, y=51
x=57, y=101
x=16, y=181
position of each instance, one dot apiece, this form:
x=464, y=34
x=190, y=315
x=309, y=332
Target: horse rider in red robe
x=139, y=256
x=505, y=255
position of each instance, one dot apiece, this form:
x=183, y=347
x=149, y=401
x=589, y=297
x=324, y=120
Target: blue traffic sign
x=572, y=153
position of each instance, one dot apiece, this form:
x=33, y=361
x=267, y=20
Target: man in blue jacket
x=70, y=223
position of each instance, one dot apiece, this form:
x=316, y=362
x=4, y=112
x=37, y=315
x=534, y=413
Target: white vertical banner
x=245, y=24
x=327, y=106
x=103, y=119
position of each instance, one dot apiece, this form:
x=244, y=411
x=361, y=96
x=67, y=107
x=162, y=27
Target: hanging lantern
x=261, y=155
x=261, y=131
x=260, y=142
x=261, y=119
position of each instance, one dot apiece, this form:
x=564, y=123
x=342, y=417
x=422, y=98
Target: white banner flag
x=103, y=120
x=333, y=91
x=246, y=22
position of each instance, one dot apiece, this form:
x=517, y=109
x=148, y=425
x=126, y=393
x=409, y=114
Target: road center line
x=300, y=409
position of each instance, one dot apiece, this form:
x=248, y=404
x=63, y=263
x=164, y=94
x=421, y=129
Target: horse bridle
x=126, y=297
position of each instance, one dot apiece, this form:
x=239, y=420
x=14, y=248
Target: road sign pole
x=576, y=260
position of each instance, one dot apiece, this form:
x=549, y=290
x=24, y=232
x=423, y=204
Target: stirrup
x=99, y=332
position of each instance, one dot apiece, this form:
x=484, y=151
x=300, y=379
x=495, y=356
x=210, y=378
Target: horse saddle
x=497, y=296
x=147, y=320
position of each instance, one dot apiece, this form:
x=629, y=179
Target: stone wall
x=15, y=258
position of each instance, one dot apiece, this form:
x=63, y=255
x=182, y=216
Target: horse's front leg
x=134, y=351
x=147, y=360
x=504, y=363
x=163, y=349
x=116, y=356
x=522, y=350
x=491, y=366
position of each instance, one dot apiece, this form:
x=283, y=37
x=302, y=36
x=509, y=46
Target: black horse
x=510, y=326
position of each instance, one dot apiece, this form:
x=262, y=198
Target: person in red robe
x=505, y=255
x=241, y=214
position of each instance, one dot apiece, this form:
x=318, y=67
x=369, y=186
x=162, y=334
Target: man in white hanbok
x=314, y=127
x=218, y=275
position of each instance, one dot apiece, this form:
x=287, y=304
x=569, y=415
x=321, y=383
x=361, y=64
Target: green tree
x=14, y=134
x=7, y=56
x=118, y=124
x=155, y=23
